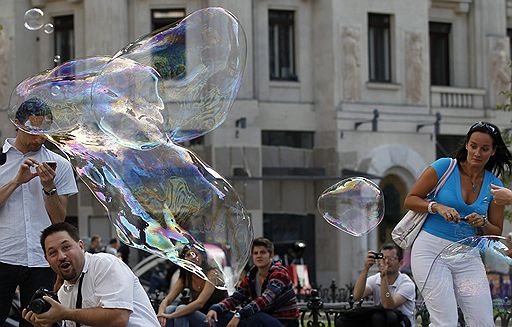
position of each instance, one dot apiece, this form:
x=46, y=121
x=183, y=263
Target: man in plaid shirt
x=265, y=296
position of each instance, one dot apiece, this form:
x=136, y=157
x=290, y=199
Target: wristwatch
x=51, y=192
x=237, y=315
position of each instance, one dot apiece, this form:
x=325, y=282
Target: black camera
x=377, y=255
x=37, y=304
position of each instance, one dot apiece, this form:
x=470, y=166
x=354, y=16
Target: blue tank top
x=451, y=195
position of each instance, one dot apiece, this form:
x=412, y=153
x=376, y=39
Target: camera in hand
x=377, y=255
x=38, y=304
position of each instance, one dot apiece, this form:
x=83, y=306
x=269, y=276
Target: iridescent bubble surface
x=65, y=89
x=355, y=205
x=176, y=83
x=116, y=122
x=490, y=254
x=48, y=28
x=163, y=199
x=34, y=19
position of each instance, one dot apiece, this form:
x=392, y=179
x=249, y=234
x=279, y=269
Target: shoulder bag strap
x=442, y=180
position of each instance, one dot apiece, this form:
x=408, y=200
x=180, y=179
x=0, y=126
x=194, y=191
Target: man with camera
x=392, y=291
x=98, y=290
x=34, y=187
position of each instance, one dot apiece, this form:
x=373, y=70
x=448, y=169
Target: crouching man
x=98, y=290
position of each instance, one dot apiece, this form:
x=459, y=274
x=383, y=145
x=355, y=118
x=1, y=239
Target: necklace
x=474, y=186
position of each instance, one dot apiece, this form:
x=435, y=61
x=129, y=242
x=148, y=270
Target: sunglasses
x=487, y=126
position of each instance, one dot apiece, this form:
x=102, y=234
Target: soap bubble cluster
x=34, y=20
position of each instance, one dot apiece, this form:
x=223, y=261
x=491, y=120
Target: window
x=164, y=17
x=303, y=140
x=440, y=53
x=284, y=230
x=281, y=37
x=447, y=145
x=379, y=47
x=64, y=38
x=170, y=63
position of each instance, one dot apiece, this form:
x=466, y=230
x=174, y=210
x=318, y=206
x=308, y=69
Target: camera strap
x=79, y=296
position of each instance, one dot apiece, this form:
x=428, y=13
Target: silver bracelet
x=429, y=208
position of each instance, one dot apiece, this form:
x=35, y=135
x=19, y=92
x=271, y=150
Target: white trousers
x=445, y=282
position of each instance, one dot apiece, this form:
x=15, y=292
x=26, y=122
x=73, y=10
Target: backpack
x=375, y=316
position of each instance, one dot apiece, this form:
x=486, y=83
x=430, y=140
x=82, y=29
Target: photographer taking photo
x=98, y=289
x=392, y=290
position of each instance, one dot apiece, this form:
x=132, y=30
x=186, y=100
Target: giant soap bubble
x=487, y=259
x=355, y=205
x=116, y=120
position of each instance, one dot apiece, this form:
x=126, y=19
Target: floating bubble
x=176, y=83
x=104, y=112
x=489, y=254
x=48, y=28
x=355, y=205
x=34, y=19
x=56, y=59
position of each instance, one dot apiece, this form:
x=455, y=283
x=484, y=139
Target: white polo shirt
x=109, y=283
x=23, y=217
x=403, y=285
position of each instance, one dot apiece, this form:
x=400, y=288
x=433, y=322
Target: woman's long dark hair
x=500, y=164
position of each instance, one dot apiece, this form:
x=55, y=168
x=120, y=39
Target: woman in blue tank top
x=463, y=207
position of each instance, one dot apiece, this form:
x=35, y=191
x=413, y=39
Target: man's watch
x=237, y=315
x=51, y=192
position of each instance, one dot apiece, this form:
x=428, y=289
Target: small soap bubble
x=355, y=205
x=34, y=19
x=48, y=28
x=56, y=59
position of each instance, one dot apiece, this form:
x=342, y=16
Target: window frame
x=373, y=61
x=447, y=80
x=59, y=30
x=274, y=46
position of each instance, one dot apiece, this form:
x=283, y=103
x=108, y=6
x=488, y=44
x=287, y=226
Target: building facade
x=332, y=88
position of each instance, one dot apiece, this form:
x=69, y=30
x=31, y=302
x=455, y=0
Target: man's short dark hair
x=393, y=246
x=113, y=241
x=59, y=227
x=95, y=238
x=261, y=241
x=32, y=107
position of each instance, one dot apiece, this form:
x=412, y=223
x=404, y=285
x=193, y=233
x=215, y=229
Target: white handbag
x=407, y=229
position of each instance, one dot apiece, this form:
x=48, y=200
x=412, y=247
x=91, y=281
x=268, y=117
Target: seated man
x=390, y=288
x=266, y=294
x=98, y=290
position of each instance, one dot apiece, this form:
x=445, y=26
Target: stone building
x=332, y=88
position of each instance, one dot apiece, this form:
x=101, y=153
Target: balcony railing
x=456, y=97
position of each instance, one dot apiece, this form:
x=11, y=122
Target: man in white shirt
x=390, y=288
x=34, y=187
x=98, y=289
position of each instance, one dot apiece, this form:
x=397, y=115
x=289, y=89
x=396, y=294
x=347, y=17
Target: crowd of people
x=95, y=288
